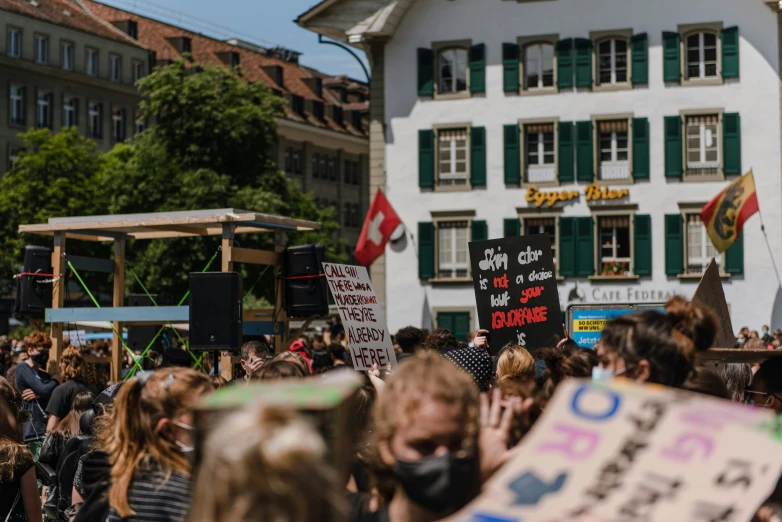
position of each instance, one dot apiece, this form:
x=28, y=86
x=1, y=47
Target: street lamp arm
x=348, y=49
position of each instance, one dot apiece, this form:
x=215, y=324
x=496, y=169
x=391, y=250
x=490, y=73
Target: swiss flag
x=379, y=226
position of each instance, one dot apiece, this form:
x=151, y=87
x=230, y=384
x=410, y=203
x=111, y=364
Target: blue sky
x=265, y=22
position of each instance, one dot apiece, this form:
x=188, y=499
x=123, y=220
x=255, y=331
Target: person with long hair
x=72, y=371
x=263, y=465
x=19, y=500
x=65, y=429
x=151, y=445
x=516, y=367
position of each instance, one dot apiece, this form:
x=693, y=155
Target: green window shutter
x=565, y=164
x=674, y=244
x=477, y=156
x=479, y=230
x=445, y=320
x=425, y=72
x=734, y=256
x=730, y=52
x=731, y=140
x=584, y=151
x=672, y=71
x=642, y=258
x=583, y=57
x=673, y=147
x=585, y=249
x=511, y=227
x=565, y=64
x=512, y=155
x=640, y=148
x=567, y=246
x=639, y=54
x=426, y=158
x=461, y=325
x=477, y=58
x=425, y=250
x=510, y=67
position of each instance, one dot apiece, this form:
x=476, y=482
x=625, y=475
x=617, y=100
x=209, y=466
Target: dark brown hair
x=441, y=340
x=693, y=320
x=280, y=369
x=69, y=425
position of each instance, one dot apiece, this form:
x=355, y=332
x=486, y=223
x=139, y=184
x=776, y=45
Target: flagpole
x=765, y=236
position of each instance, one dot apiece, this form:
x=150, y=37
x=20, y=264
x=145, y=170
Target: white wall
x=756, y=96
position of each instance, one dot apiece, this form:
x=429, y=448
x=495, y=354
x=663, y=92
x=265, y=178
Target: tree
x=209, y=147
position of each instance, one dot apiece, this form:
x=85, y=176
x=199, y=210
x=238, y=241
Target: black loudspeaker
x=215, y=311
x=305, y=283
x=32, y=294
x=139, y=336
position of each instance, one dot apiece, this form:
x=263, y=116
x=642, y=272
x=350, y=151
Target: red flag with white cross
x=379, y=227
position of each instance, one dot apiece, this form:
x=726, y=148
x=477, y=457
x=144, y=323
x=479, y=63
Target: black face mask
x=439, y=484
x=41, y=358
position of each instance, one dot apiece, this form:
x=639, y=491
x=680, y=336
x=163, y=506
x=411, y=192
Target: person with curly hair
x=72, y=369
x=410, y=339
x=35, y=385
x=441, y=340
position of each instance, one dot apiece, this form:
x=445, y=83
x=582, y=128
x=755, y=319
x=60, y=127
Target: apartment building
x=62, y=67
x=605, y=123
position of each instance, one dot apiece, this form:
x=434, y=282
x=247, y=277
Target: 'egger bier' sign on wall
x=516, y=291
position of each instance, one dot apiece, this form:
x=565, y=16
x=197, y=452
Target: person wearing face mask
x=436, y=439
x=151, y=446
x=766, y=388
x=35, y=385
x=765, y=335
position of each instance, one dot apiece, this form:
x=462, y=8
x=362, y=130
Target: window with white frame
x=614, y=149
x=14, y=49
x=66, y=56
x=546, y=225
x=117, y=124
x=701, y=56
x=539, y=153
x=41, y=48
x=43, y=116
x=94, y=129
x=115, y=68
x=452, y=70
x=452, y=150
x=700, y=249
x=13, y=156
x=538, y=66
x=138, y=70
x=69, y=111
x=612, y=61
x=703, y=144
x=140, y=124
x=91, y=60
x=615, y=253
x=453, y=259
x=16, y=105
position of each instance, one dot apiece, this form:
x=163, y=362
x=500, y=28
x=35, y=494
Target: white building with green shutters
x=607, y=124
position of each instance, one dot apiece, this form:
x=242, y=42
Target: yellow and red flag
x=725, y=215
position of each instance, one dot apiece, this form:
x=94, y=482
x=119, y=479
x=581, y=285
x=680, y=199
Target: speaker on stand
x=33, y=295
x=305, y=282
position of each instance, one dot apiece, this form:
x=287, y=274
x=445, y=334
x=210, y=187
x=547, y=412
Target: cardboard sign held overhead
x=516, y=291
x=622, y=451
x=711, y=294
x=362, y=316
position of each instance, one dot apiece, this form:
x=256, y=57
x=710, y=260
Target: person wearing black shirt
x=35, y=385
x=61, y=401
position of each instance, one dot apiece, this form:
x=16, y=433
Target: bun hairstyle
x=694, y=320
x=560, y=363
x=652, y=336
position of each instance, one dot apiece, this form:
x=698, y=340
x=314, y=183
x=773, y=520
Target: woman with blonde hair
x=72, y=371
x=266, y=465
x=151, y=445
x=516, y=370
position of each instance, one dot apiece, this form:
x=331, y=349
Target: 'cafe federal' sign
x=593, y=192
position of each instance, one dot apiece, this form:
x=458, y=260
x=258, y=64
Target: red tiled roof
x=68, y=14
x=155, y=35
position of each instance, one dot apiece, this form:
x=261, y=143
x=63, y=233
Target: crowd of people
x=430, y=432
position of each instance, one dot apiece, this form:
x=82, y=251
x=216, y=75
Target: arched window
x=612, y=61
x=452, y=70
x=701, y=56
x=539, y=66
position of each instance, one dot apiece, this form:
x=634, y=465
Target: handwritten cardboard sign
x=623, y=451
x=711, y=294
x=516, y=291
x=363, y=318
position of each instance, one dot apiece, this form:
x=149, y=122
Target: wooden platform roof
x=162, y=225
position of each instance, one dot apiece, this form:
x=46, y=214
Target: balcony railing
x=615, y=170
x=541, y=173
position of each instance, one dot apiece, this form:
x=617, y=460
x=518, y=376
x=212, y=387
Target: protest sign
x=76, y=337
x=516, y=291
x=586, y=321
x=365, y=324
x=711, y=294
x=630, y=452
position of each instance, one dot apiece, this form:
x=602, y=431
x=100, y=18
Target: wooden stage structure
x=226, y=223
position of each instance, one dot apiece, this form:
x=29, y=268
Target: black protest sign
x=711, y=294
x=516, y=291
